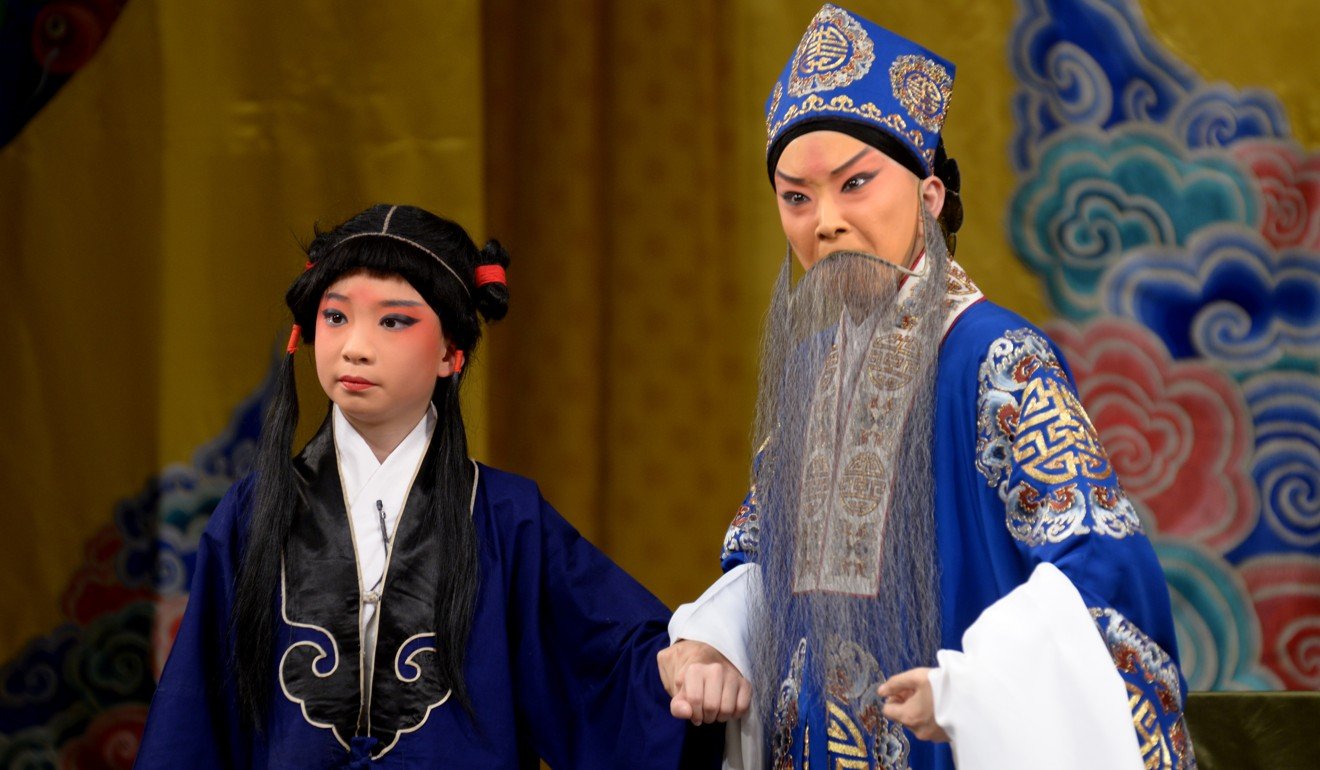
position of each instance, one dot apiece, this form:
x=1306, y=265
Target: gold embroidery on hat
x=923, y=87
x=867, y=111
x=834, y=52
x=775, y=96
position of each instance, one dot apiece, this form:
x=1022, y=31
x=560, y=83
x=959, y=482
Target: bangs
x=385, y=258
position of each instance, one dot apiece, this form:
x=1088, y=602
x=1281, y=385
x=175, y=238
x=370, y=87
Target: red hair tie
x=294, y=335
x=458, y=361
x=489, y=274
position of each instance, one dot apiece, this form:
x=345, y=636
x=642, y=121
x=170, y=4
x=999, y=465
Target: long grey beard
x=847, y=533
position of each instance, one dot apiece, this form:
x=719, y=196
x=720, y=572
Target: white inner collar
x=358, y=466
x=367, y=481
x=374, y=494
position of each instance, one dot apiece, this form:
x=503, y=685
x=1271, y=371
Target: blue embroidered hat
x=853, y=76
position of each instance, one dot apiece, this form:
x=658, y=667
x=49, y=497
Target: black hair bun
x=946, y=168
x=953, y=206
x=492, y=299
x=318, y=247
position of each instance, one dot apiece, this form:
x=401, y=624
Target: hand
x=909, y=701
x=705, y=686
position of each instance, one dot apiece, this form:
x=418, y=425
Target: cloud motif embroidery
x=110, y=741
x=1288, y=179
x=1218, y=116
x=1228, y=297
x=1063, y=84
x=1098, y=196
x=1178, y=432
x=1285, y=407
x=123, y=606
x=1104, y=113
x=1288, y=605
x=1219, y=641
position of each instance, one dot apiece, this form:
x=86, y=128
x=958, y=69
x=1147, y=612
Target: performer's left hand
x=909, y=701
x=705, y=686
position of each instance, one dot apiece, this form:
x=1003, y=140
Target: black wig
x=383, y=241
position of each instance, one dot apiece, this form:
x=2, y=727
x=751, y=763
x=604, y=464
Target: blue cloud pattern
x=1089, y=64
x=1218, y=116
x=1285, y=409
x=1228, y=297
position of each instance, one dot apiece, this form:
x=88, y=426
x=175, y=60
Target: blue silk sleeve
x=584, y=642
x=1062, y=503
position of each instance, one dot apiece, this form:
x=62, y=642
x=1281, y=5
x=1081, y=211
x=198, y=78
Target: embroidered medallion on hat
x=835, y=52
x=923, y=87
x=847, y=68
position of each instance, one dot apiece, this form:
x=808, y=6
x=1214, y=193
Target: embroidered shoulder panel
x=1039, y=450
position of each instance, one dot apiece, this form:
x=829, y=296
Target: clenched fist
x=704, y=685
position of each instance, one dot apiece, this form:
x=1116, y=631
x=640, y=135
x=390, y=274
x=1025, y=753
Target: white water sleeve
x=719, y=617
x=1034, y=686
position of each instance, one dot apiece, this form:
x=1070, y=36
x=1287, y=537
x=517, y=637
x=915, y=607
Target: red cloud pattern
x=110, y=742
x=1178, y=432
x=1285, y=590
x=1289, y=180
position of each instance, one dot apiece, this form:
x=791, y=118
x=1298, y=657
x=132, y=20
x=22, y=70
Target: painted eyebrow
x=834, y=173
x=849, y=162
x=386, y=303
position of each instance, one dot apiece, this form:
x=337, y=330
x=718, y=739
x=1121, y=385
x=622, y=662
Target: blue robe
x=561, y=662
x=1020, y=479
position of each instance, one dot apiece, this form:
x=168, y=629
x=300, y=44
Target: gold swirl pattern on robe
x=1038, y=447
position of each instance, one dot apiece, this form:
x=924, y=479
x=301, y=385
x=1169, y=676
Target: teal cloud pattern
x=1219, y=638
x=1097, y=196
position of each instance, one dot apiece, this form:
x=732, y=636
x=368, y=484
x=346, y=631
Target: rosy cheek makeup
x=418, y=341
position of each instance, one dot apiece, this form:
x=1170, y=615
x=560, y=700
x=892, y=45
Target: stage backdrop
x=1132, y=179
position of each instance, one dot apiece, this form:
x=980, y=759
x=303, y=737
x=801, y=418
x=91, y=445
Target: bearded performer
x=936, y=564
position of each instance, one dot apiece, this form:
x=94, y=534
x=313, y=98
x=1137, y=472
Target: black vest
x=321, y=668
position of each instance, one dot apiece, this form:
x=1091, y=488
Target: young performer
x=381, y=600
